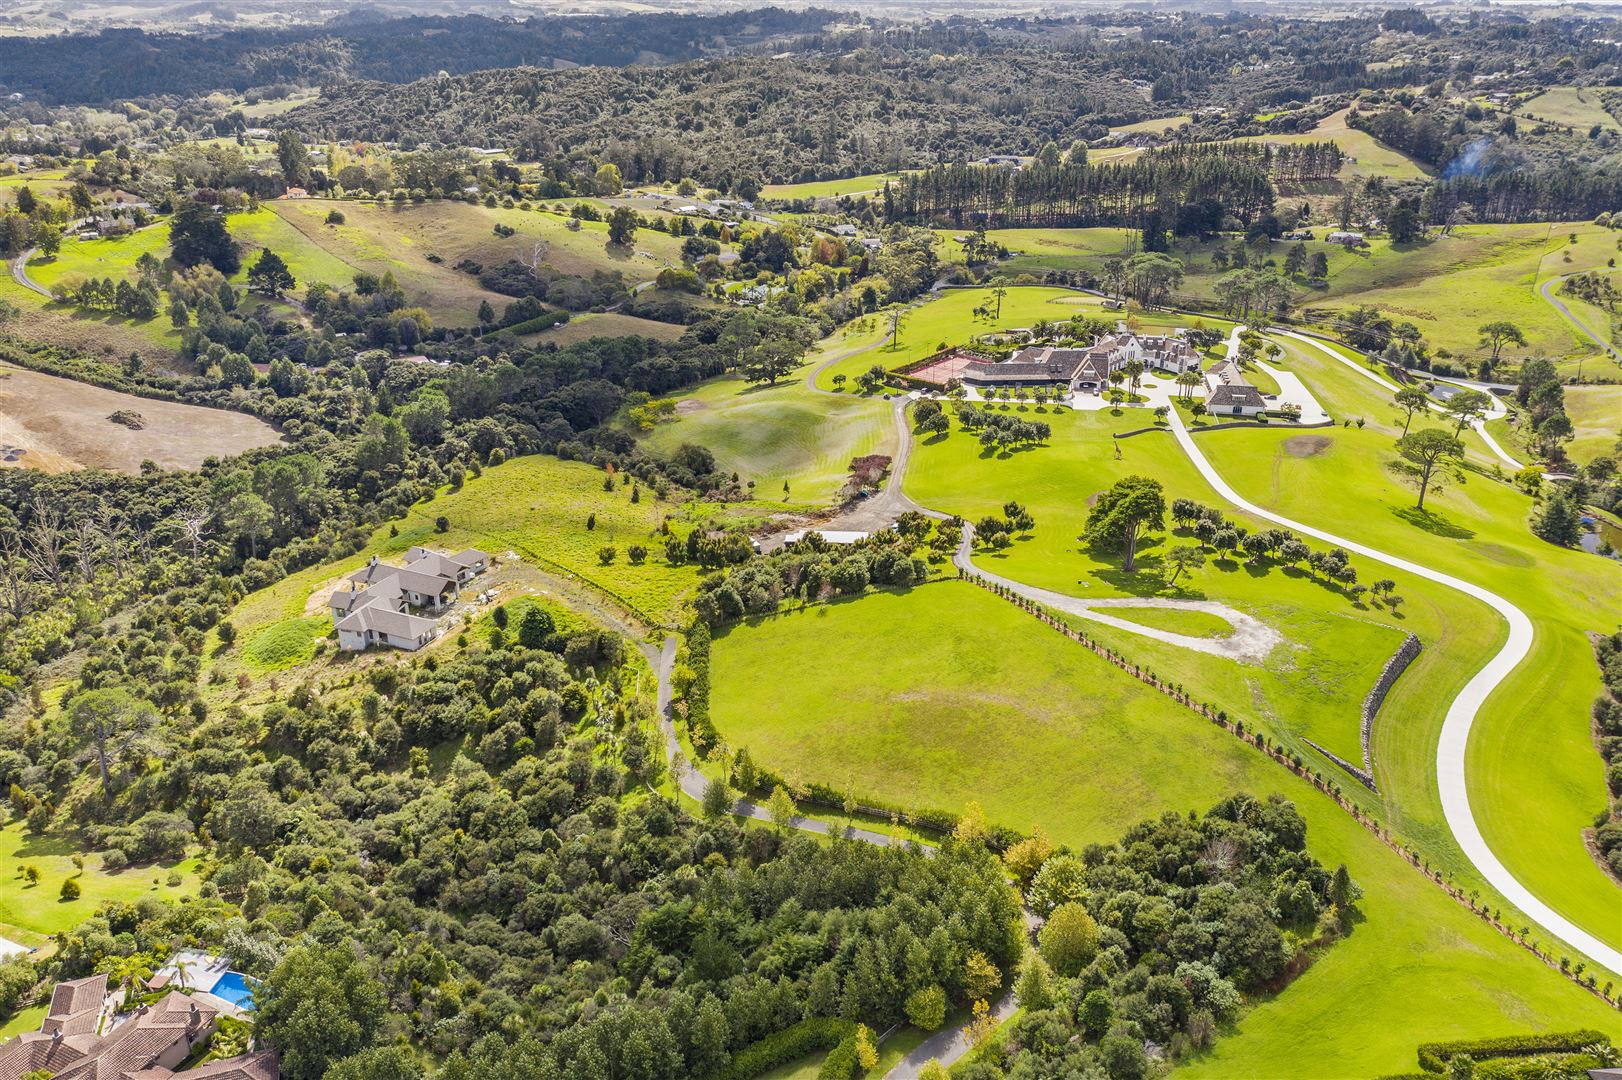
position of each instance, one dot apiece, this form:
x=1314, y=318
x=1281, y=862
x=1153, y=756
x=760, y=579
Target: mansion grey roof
x=1231, y=395
x=382, y=619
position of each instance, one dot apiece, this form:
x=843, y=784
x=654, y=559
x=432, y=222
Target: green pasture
x=1535, y=779
x=1311, y=686
x=537, y=507
x=772, y=435
x=1450, y=285
x=830, y=189
x=1366, y=155
x=1577, y=107
x=29, y=914
x=964, y=697
x=1157, y=126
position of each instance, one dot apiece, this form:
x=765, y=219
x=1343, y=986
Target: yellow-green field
x=1366, y=155
x=1575, y=107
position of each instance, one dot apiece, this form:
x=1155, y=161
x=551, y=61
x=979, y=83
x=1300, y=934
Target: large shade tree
x=1120, y=515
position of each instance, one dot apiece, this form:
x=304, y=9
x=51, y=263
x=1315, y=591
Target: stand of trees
x=1136, y=194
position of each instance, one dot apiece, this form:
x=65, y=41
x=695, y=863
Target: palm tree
x=1188, y=380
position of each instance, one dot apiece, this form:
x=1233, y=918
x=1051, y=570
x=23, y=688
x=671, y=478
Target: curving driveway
x=1478, y=426
x=1461, y=714
x=19, y=274
x=1545, y=290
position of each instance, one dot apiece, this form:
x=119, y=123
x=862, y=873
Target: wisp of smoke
x=1471, y=162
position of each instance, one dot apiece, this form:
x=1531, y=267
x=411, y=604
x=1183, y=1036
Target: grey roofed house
x=384, y=625
x=462, y=566
x=1235, y=399
x=387, y=591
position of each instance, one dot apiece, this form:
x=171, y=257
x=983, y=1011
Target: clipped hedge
x=1433, y=1057
x=790, y=1044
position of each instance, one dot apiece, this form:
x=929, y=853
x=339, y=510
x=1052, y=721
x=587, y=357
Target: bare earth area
x=56, y=425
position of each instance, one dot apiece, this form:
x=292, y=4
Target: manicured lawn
x=1535, y=779
x=959, y=700
x=31, y=913
x=949, y=319
x=22, y=1020
x=604, y=324
x=777, y=434
x=1312, y=686
x=1191, y=623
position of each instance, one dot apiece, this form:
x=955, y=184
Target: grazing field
x=1311, y=686
x=963, y=697
x=1449, y=286
x=1152, y=127
x=830, y=189
x=29, y=914
x=772, y=435
x=1576, y=107
x=1366, y=155
x=60, y=424
x=604, y=324
x=1534, y=777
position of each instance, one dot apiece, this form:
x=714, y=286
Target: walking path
x=1545, y=290
x=1461, y=714
x=946, y=1045
x=1480, y=426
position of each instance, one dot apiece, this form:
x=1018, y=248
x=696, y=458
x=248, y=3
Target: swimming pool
x=234, y=987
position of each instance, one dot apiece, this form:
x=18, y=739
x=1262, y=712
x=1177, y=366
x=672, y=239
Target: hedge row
x=1433, y=1057
x=700, y=728
x=790, y=1044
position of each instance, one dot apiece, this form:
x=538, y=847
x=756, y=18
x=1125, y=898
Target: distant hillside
x=779, y=119
x=115, y=64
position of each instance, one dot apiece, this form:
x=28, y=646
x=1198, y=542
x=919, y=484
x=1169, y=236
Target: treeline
x=127, y=63
x=1235, y=177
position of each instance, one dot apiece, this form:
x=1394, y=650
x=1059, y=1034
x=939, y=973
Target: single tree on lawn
x=1466, y=407
x=1182, y=560
x=1120, y=515
x=1495, y=335
x=622, y=226
x=107, y=716
x=197, y=234
x=997, y=294
x=1559, y=521
x=1409, y=400
x=1427, y=458
x=270, y=275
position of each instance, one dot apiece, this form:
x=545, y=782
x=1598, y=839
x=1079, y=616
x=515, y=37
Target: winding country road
x=1461, y=713
x=19, y=274
x=1545, y=290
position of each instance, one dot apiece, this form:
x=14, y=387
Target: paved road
x=19, y=274
x=946, y=1045
x=1479, y=426
x=1461, y=714
x=1546, y=290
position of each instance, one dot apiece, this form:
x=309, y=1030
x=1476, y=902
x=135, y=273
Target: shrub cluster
x=1158, y=938
x=810, y=570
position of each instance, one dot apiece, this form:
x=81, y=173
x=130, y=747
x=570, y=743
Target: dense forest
x=82, y=68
